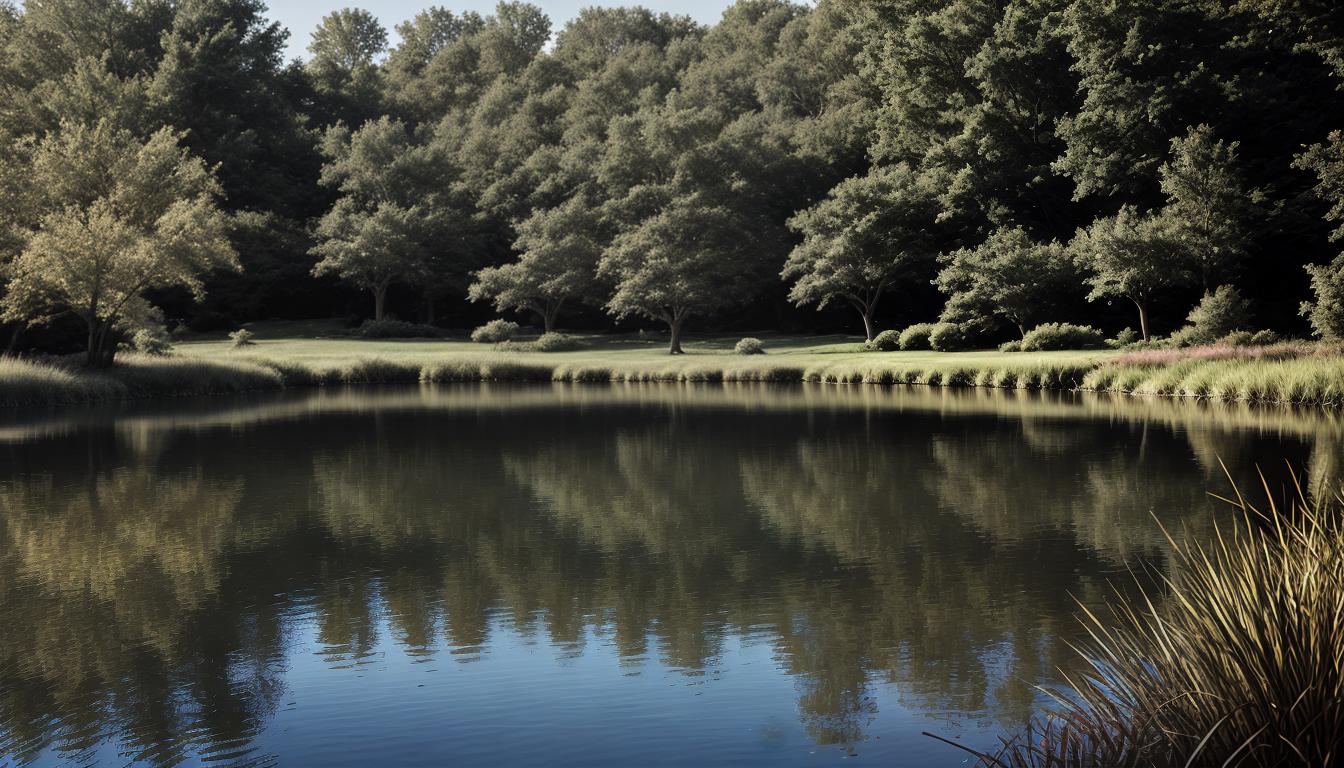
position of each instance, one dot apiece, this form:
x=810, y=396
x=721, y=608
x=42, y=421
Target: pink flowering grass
x=1288, y=350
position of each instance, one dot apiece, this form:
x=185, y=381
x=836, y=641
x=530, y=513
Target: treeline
x=991, y=163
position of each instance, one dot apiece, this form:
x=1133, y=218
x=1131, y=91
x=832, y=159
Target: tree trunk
x=548, y=317
x=379, y=300
x=102, y=346
x=91, y=348
x=1143, y=318
x=14, y=339
x=674, y=346
x=867, y=313
x=1022, y=329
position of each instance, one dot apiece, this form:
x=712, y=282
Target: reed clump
x=136, y=376
x=1313, y=380
x=1237, y=658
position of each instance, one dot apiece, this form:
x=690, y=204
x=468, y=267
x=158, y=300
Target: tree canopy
x=628, y=166
x=112, y=218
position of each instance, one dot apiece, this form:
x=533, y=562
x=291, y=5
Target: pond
x=569, y=575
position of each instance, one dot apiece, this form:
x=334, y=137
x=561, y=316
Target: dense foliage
x=996, y=164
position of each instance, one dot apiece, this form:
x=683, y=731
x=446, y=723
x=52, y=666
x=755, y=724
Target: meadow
x=284, y=355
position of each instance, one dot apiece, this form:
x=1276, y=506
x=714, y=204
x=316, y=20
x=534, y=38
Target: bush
x=1050, y=336
x=1011, y=346
x=948, y=337
x=152, y=340
x=396, y=329
x=1264, y=338
x=916, y=337
x=1216, y=315
x=495, y=331
x=749, y=346
x=1125, y=337
x=241, y=338
x=556, y=342
x=886, y=341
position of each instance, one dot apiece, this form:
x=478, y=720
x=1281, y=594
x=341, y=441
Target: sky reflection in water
x=580, y=576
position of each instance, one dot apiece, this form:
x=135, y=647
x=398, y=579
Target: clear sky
x=301, y=16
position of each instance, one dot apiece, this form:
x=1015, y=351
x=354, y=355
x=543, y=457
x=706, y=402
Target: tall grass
x=1316, y=380
x=1296, y=374
x=25, y=383
x=1239, y=663
x=29, y=383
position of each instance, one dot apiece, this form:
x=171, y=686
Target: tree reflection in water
x=157, y=567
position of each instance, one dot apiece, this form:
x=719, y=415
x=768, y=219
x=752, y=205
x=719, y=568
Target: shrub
x=1125, y=337
x=556, y=342
x=1186, y=336
x=152, y=340
x=1011, y=346
x=1049, y=336
x=1265, y=338
x=886, y=341
x=1216, y=315
x=396, y=329
x=916, y=337
x=1236, y=339
x=241, y=338
x=1326, y=314
x=749, y=346
x=948, y=337
x=495, y=331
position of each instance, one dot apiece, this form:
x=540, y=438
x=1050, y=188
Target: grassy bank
x=1296, y=375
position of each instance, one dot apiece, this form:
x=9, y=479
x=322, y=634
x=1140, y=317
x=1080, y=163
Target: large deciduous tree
x=1009, y=275
x=396, y=219
x=344, y=66
x=1132, y=256
x=1207, y=204
x=559, y=250
x=113, y=217
x=690, y=258
x=858, y=244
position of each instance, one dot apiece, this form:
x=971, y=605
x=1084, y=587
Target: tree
x=972, y=92
x=396, y=212
x=1145, y=69
x=559, y=250
x=1132, y=256
x=221, y=79
x=116, y=217
x=1327, y=162
x=1010, y=275
x=859, y=242
x=690, y=258
x=344, y=70
x=1207, y=203
x=1326, y=313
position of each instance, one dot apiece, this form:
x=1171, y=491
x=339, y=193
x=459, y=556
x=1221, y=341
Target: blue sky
x=302, y=16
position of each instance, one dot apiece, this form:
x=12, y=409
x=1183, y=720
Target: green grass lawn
x=322, y=353
x=326, y=345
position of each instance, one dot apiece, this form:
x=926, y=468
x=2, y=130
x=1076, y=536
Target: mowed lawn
x=323, y=344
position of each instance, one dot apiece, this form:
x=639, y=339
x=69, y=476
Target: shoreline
x=1302, y=382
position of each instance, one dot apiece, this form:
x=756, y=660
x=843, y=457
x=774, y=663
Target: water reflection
x=169, y=575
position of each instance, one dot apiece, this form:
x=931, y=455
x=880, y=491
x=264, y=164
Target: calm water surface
x=653, y=575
